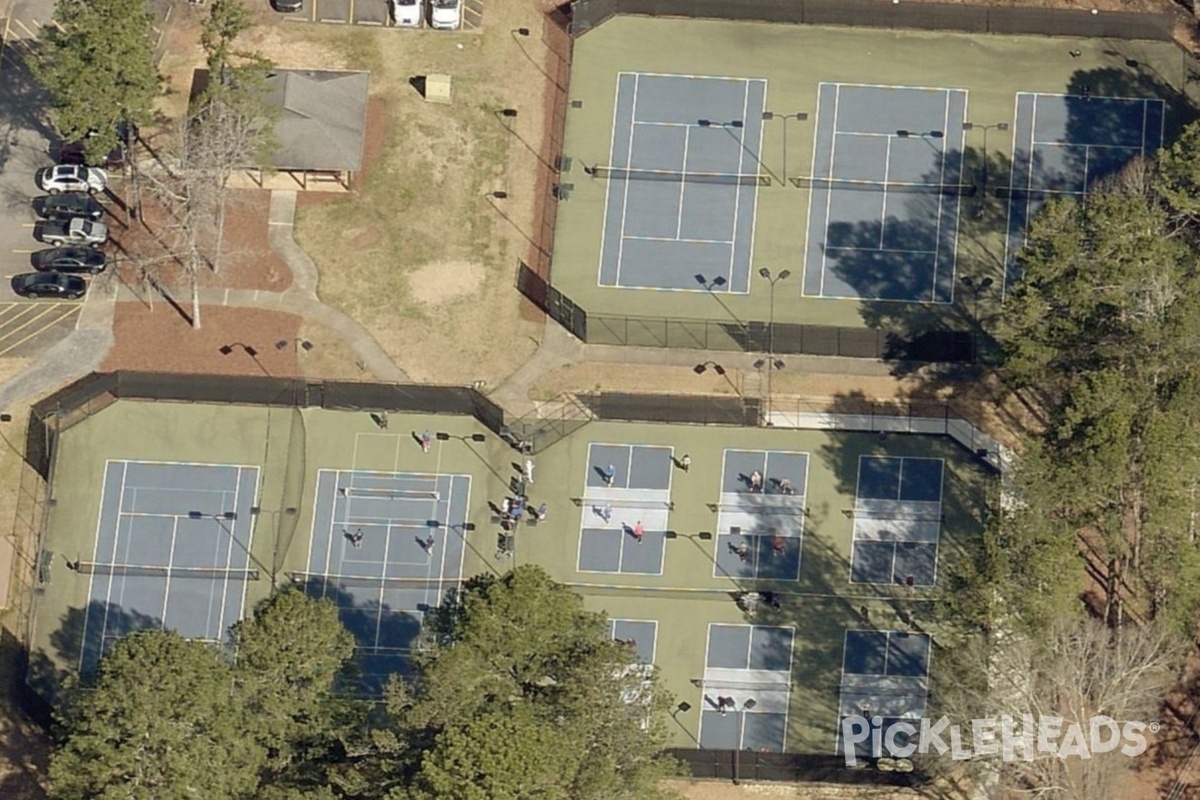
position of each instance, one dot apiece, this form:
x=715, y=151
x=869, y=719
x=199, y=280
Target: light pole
x=771, y=362
x=248, y=350
x=700, y=369
x=999, y=126
x=799, y=116
x=232, y=516
x=717, y=283
x=303, y=344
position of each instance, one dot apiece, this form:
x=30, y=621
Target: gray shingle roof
x=322, y=118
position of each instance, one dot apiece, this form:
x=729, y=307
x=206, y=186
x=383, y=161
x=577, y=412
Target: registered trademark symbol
x=1154, y=727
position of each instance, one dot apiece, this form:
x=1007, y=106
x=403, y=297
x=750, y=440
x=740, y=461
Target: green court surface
x=682, y=577
x=984, y=73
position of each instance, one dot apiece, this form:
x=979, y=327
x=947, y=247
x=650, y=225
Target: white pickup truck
x=58, y=232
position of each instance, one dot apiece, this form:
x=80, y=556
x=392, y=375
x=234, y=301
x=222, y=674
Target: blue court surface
x=683, y=182
x=884, y=673
x=1064, y=144
x=886, y=189
x=897, y=520
x=638, y=498
x=172, y=552
x=746, y=687
x=760, y=515
x=386, y=547
x=639, y=634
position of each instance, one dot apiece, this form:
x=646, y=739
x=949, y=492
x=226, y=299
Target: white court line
x=829, y=192
x=230, y=532
x=1145, y=122
x=96, y=554
x=754, y=206
x=664, y=124
x=669, y=239
x=687, y=135
x=111, y=578
x=689, y=77
x=167, y=585
x=883, y=250
x=1009, y=255
x=958, y=201
x=887, y=171
x=737, y=190
x=937, y=231
x=625, y=196
x=871, y=134
x=1087, y=155
x=812, y=170
x=894, y=86
x=387, y=541
x=1081, y=144
x=607, y=188
x=1118, y=98
x=250, y=540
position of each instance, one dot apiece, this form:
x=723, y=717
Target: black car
x=49, y=284
x=71, y=260
x=65, y=206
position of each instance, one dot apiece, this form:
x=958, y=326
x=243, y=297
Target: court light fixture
x=230, y=515
x=521, y=31
x=700, y=369
x=442, y=436
x=508, y=112
x=904, y=134
x=708, y=123
x=766, y=273
x=683, y=707
x=749, y=704
x=304, y=344
x=703, y=281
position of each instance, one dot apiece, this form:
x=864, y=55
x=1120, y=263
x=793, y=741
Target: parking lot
x=374, y=12
x=27, y=327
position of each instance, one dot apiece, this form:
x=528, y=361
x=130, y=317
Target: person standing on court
x=638, y=532
x=756, y=481
x=529, y=471
x=606, y=514
x=685, y=463
x=610, y=475
x=426, y=441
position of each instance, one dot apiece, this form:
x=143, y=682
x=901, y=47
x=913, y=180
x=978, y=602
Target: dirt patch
x=724, y=790
x=442, y=282
x=160, y=339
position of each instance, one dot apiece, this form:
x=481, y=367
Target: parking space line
x=75, y=308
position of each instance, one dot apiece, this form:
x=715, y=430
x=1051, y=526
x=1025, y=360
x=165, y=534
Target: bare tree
x=1078, y=672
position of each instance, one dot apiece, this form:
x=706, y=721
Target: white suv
x=447, y=14
x=70, y=178
x=407, y=13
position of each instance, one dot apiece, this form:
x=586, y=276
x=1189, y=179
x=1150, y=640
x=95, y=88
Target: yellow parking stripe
x=75, y=309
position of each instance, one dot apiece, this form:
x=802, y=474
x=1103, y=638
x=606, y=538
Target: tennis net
x=884, y=516
x=624, y=502
x=391, y=494
x=140, y=570
x=890, y=187
x=370, y=581
x=678, y=176
x=1024, y=193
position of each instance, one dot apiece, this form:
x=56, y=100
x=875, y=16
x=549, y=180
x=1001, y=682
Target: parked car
x=70, y=231
x=287, y=6
x=49, y=284
x=66, y=206
x=71, y=260
x=407, y=13
x=74, y=152
x=70, y=178
x=446, y=14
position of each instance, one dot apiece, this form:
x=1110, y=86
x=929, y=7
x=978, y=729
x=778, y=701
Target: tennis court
x=678, y=202
x=749, y=665
x=639, y=634
x=1063, y=144
x=897, y=520
x=887, y=177
x=386, y=547
x=626, y=509
x=885, y=674
x=760, y=514
x=172, y=551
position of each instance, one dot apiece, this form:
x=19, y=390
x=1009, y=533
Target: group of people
x=782, y=486
x=513, y=508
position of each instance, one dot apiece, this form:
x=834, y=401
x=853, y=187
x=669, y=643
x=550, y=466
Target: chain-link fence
x=752, y=765
x=930, y=346
x=1006, y=20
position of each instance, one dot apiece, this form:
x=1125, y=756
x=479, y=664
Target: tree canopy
x=97, y=62
x=521, y=693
